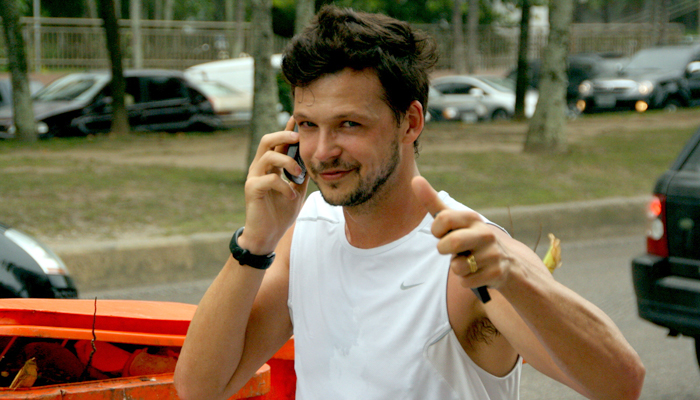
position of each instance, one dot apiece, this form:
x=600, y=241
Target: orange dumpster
x=104, y=349
x=284, y=378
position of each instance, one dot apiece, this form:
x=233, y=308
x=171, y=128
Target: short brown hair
x=341, y=38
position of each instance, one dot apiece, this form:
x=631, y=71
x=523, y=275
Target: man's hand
x=465, y=235
x=272, y=203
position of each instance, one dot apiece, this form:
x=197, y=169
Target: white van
x=236, y=73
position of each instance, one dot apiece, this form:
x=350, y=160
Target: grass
x=615, y=164
x=54, y=196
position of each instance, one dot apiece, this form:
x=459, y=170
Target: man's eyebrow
x=341, y=116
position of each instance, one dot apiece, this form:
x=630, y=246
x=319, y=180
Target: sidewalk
x=115, y=264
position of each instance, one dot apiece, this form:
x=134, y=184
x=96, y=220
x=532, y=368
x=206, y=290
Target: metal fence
x=62, y=43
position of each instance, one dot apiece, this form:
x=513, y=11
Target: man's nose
x=327, y=146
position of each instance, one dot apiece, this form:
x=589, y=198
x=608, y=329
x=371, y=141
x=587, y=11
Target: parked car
x=232, y=106
x=580, y=67
x=30, y=269
x=6, y=90
x=81, y=103
x=660, y=77
x=497, y=94
x=444, y=108
x=236, y=73
x=667, y=277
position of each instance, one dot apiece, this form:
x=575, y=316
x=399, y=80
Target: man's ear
x=414, y=121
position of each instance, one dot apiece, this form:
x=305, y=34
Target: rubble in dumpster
x=61, y=361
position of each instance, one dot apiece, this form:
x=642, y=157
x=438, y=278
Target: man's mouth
x=331, y=175
x=333, y=170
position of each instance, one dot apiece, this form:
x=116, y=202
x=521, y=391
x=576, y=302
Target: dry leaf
x=553, y=257
x=26, y=376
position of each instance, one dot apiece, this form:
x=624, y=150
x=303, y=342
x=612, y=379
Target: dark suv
x=660, y=77
x=667, y=278
x=80, y=104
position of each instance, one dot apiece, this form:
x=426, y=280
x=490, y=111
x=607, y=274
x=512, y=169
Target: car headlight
x=585, y=88
x=645, y=87
x=42, y=128
x=49, y=262
x=450, y=113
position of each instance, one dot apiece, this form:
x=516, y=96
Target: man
x=373, y=276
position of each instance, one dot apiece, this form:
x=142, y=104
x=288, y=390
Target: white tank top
x=372, y=323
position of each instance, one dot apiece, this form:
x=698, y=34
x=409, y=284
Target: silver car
x=496, y=94
x=445, y=108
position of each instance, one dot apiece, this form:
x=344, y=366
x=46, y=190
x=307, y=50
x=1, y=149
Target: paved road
x=599, y=271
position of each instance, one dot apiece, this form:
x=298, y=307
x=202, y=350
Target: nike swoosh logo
x=406, y=287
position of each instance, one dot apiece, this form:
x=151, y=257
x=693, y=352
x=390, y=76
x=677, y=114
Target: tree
x=304, y=13
x=239, y=35
x=473, y=29
x=459, y=58
x=546, y=132
x=17, y=57
x=265, y=97
x=120, y=118
x=523, y=77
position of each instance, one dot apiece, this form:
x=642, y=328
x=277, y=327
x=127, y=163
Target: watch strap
x=244, y=257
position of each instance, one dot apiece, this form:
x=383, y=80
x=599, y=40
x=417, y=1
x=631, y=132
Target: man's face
x=349, y=138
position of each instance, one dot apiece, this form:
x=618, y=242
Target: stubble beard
x=367, y=188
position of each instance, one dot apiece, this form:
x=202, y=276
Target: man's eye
x=350, y=124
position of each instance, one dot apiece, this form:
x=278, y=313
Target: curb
x=116, y=264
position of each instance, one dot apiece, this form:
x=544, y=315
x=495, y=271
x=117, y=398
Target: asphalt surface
x=597, y=269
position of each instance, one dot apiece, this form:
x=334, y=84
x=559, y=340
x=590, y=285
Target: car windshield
x=72, y=87
x=498, y=83
x=661, y=58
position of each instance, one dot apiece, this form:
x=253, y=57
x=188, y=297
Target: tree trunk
x=120, y=119
x=229, y=11
x=239, y=39
x=136, y=43
x=523, y=78
x=23, y=112
x=663, y=23
x=547, y=128
x=459, y=62
x=473, y=40
x=91, y=7
x=265, y=97
x=157, y=9
x=168, y=10
x=305, y=12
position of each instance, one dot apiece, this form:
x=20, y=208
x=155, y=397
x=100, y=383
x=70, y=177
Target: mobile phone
x=293, y=151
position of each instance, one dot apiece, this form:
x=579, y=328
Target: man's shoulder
x=451, y=202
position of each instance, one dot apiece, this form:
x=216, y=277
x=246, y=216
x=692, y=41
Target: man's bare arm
x=559, y=332
x=240, y=323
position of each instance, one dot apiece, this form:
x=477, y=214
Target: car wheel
x=672, y=105
x=499, y=115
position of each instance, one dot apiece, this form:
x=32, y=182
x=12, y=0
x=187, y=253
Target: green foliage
x=60, y=9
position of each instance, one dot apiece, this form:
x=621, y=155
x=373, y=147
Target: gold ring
x=472, y=263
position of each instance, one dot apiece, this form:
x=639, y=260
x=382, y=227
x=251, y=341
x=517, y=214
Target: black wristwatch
x=244, y=257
